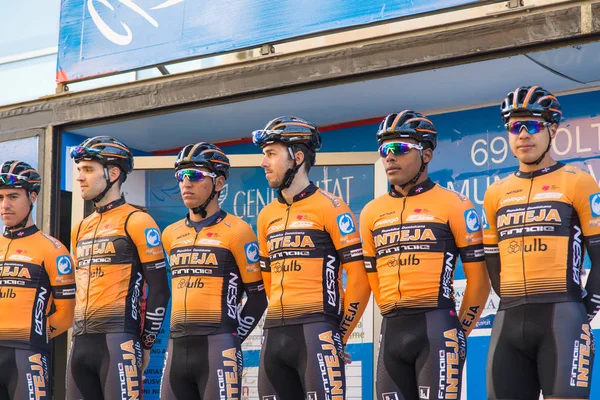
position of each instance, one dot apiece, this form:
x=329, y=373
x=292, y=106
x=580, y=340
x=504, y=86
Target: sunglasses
x=260, y=137
x=531, y=126
x=11, y=179
x=193, y=175
x=397, y=148
x=81, y=152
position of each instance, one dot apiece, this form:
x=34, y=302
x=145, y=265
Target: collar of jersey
x=221, y=214
x=111, y=206
x=415, y=190
x=307, y=192
x=539, y=172
x=21, y=233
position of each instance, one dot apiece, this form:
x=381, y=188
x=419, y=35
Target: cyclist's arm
x=246, y=255
x=584, y=197
x=150, y=252
x=62, y=282
x=490, y=240
x=368, y=245
x=265, y=264
x=470, y=245
x=350, y=252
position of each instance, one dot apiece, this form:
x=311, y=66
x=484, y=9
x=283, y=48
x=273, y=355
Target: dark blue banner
x=99, y=37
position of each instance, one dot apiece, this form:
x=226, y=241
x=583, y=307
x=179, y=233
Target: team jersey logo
x=152, y=237
x=484, y=220
x=346, y=224
x=64, y=266
x=595, y=204
x=251, y=250
x=472, y=221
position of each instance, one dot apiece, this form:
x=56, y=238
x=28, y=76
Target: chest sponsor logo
x=520, y=216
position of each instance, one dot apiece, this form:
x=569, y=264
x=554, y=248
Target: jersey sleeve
x=263, y=253
x=587, y=205
x=490, y=238
x=341, y=226
x=246, y=253
x=465, y=225
x=59, y=267
x=369, y=250
x=145, y=235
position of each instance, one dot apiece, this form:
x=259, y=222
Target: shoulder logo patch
x=472, y=220
x=152, y=237
x=64, y=265
x=251, y=250
x=346, y=224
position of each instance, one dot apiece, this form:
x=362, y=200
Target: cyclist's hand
x=145, y=361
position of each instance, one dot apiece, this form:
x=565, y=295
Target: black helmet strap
x=109, y=184
x=540, y=158
x=201, y=209
x=290, y=174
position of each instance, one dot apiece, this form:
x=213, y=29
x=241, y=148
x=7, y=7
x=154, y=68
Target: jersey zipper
x=287, y=218
x=189, y=278
x=87, y=297
x=400, y=247
x=6, y=255
x=523, y=239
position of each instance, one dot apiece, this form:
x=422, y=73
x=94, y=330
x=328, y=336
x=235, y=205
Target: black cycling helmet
x=407, y=125
x=289, y=131
x=531, y=100
x=107, y=151
x=298, y=135
x=19, y=174
x=205, y=155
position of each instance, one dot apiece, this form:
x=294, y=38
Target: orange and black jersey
x=411, y=246
x=210, y=271
x=537, y=227
x=36, y=276
x=118, y=249
x=303, y=248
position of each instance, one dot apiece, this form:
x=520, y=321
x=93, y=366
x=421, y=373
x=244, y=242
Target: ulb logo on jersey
x=595, y=205
x=64, y=265
x=484, y=220
x=152, y=237
x=472, y=221
x=251, y=250
x=346, y=224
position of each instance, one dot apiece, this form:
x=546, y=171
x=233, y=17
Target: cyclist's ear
x=427, y=155
x=33, y=197
x=553, y=130
x=220, y=182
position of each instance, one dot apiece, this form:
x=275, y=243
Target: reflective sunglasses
x=531, y=126
x=260, y=137
x=397, y=148
x=193, y=175
x=80, y=152
x=11, y=179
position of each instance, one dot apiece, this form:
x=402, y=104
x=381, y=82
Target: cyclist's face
x=276, y=162
x=402, y=168
x=529, y=147
x=194, y=194
x=14, y=205
x=90, y=175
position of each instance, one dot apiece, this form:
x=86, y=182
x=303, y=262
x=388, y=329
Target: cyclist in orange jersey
x=306, y=237
x=213, y=258
x=118, y=250
x=412, y=238
x=37, y=289
x=538, y=224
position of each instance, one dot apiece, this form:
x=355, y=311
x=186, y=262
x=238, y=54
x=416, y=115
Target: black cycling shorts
x=302, y=362
x=421, y=356
x=105, y=366
x=540, y=346
x=205, y=367
x=24, y=374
